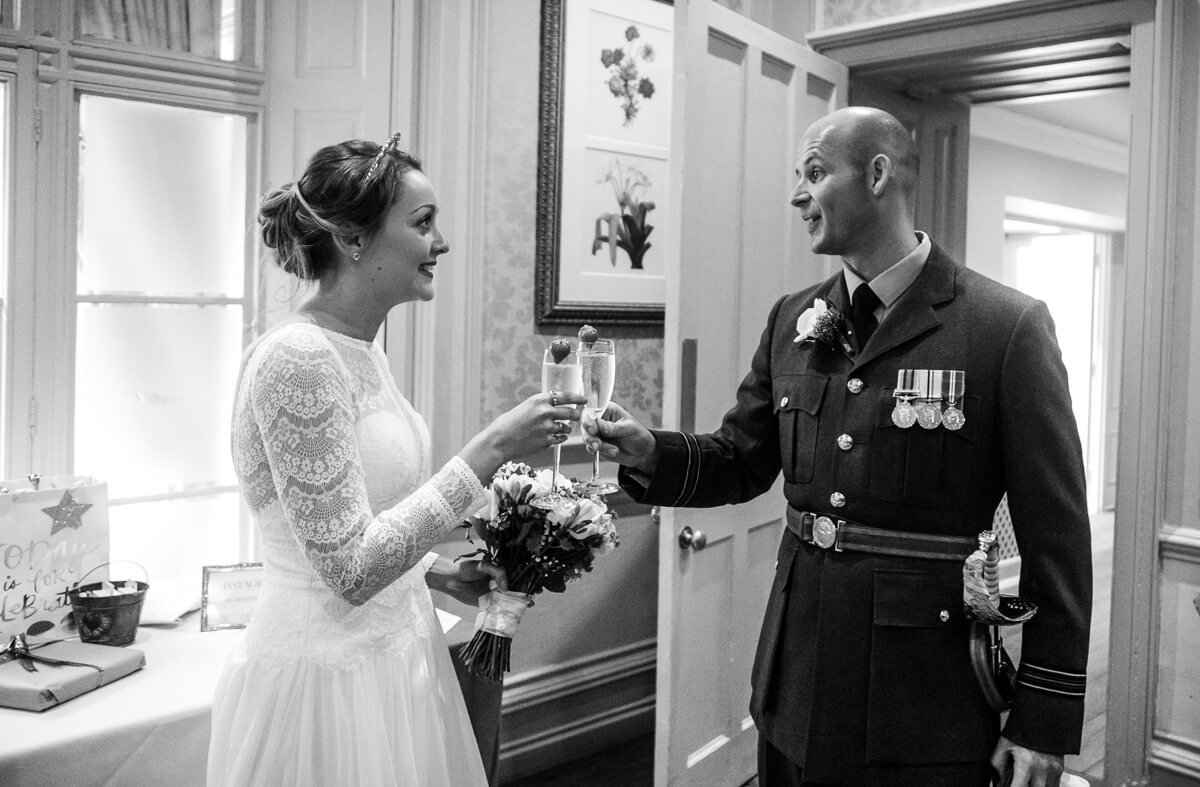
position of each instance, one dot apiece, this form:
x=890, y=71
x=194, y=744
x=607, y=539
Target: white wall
x=1002, y=169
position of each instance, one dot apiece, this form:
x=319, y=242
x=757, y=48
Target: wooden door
x=743, y=96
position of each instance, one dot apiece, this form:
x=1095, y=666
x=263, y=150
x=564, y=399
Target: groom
x=898, y=421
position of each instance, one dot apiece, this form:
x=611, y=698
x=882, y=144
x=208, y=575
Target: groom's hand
x=620, y=437
x=1022, y=767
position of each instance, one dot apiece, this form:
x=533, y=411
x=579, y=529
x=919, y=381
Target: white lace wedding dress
x=344, y=677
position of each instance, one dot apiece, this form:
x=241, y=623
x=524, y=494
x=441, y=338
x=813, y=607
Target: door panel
x=743, y=96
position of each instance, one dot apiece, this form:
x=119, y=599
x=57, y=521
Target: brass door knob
x=692, y=539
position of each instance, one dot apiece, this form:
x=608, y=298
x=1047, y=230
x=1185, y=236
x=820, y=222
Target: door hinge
x=37, y=126
x=33, y=411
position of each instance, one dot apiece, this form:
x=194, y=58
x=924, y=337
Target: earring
x=355, y=256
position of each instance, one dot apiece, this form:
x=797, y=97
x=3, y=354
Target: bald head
x=861, y=133
x=856, y=172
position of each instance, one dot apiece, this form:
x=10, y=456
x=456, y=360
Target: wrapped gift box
x=54, y=684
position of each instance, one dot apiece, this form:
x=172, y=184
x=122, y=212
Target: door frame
x=1159, y=143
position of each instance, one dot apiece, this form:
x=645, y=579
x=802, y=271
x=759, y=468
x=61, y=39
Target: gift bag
x=53, y=531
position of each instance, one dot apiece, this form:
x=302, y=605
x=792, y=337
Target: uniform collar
x=893, y=282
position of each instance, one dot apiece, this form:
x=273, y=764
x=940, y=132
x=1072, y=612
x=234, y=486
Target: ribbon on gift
x=503, y=612
x=18, y=650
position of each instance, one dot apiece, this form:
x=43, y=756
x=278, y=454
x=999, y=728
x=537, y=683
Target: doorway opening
x=1036, y=133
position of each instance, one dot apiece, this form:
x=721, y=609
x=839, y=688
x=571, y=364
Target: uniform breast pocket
x=797, y=402
x=921, y=670
x=917, y=465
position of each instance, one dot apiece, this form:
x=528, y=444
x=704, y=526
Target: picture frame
x=603, y=161
x=228, y=595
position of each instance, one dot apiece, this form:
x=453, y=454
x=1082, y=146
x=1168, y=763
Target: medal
x=929, y=414
x=904, y=415
x=953, y=418
x=929, y=409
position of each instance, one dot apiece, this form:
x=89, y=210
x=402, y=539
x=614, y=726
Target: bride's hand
x=531, y=426
x=465, y=580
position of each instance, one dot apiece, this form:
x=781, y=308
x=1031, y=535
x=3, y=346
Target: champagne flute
x=564, y=377
x=599, y=361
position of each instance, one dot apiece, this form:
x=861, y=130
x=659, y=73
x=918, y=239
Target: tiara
x=391, y=144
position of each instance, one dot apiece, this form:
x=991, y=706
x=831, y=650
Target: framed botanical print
x=603, y=160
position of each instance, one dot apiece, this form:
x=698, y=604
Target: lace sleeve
x=302, y=405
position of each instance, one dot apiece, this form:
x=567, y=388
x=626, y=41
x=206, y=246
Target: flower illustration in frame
x=628, y=228
x=625, y=82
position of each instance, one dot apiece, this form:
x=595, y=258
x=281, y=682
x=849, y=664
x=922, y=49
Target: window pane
x=162, y=199
x=154, y=395
x=172, y=540
x=202, y=27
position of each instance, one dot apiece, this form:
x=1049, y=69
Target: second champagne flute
x=560, y=372
x=599, y=362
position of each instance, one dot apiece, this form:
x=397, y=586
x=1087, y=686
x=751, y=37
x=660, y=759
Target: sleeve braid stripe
x=691, y=475
x=1038, y=678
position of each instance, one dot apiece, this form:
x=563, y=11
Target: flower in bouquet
x=538, y=550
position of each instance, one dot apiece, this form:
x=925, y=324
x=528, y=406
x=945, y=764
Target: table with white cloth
x=150, y=728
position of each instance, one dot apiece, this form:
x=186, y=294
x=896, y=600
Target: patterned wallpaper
x=845, y=12
x=512, y=343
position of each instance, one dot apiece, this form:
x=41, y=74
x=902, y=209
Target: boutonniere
x=823, y=325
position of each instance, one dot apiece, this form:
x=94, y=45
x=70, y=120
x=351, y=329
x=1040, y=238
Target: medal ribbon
x=953, y=384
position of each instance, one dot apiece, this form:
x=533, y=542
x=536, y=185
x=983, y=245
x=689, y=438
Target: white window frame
x=47, y=78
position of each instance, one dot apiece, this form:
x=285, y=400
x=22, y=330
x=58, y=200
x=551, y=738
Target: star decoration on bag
x=68, y=513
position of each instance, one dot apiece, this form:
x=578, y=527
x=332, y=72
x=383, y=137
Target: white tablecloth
x=150, y=728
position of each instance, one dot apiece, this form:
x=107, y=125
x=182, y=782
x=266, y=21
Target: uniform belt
x=829, y=532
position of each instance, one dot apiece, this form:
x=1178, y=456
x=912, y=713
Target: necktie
x=862, y=312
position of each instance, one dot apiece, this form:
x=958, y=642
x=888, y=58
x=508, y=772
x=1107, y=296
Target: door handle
x=694, y=540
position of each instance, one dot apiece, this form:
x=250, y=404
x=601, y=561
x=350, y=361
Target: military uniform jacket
x=863, y=659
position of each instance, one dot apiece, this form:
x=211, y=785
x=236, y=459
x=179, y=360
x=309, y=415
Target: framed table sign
x=229, y=595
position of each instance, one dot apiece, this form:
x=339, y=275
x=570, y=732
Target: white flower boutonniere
x=824, y=325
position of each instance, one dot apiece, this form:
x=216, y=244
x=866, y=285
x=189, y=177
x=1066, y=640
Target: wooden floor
x=631, y=764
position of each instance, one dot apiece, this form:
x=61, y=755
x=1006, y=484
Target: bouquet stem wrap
x=487, y=654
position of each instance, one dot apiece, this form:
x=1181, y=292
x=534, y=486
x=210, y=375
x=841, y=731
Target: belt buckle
x=824, y=532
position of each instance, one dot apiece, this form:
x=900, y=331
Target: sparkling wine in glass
x=599, y=362
x=563, y=376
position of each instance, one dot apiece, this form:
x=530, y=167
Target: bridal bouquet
x=538, y=550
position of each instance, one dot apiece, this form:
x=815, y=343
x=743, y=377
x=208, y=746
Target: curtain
x=183, y=25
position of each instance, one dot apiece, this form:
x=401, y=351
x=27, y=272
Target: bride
x=344, y=676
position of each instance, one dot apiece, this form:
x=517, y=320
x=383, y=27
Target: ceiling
x=1083, y=85
x=1102, y=113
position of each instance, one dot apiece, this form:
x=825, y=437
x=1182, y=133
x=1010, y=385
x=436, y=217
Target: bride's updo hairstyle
x=346, y=190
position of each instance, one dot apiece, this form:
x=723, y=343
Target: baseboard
x=1174, y=761
x=556, y=714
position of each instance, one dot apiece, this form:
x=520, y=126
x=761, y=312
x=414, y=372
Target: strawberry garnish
x=560, y=349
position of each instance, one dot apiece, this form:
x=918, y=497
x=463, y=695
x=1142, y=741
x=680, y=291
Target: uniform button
x=854, y=385
x=837, y=500
x=783, y=402
x=845, y=442
x=944, y=616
